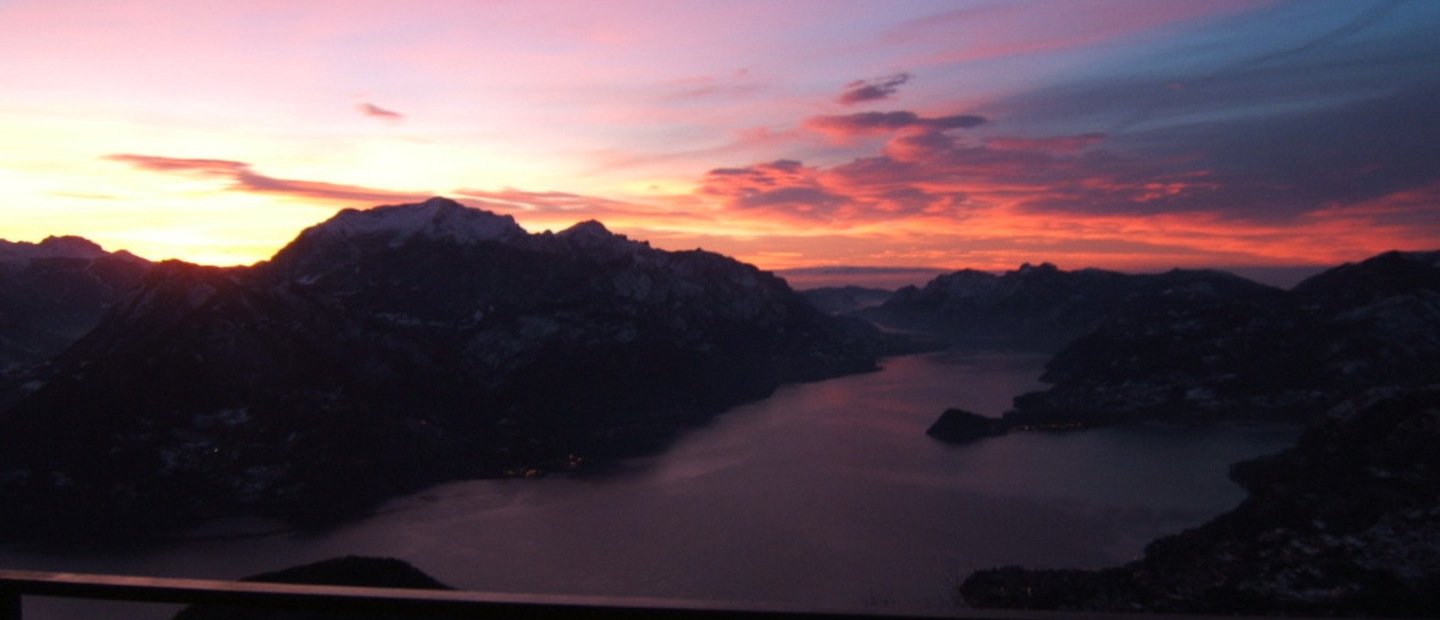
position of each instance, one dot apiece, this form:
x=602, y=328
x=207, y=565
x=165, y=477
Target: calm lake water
x=826, y=494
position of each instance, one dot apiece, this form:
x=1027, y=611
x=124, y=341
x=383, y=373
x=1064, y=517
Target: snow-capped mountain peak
x=436, y=218
x=592, y=236
x=586, y=230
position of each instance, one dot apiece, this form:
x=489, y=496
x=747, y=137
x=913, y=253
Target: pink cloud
x=784, y=188
x=914, y=146
x=245, y=179
x=788, y=190
x=556, y=210
x=510, y=199
x=375, y=111
x=927, y=176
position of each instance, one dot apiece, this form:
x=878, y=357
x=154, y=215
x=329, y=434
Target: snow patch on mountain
x=436, y=218
x=590, y=238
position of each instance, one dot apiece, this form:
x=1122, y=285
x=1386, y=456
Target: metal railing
x=15, y=585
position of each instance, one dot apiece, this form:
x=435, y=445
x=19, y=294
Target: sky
x=1136, y=135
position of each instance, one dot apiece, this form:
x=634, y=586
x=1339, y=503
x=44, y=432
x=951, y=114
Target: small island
x=961, y=426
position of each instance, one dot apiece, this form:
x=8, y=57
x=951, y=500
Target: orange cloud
x=783, y=187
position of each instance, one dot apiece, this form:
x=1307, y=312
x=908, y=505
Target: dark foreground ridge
x=1345, y=523
x=389, y=349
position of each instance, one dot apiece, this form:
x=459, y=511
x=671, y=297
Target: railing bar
x=443, y=602
x=14, y=585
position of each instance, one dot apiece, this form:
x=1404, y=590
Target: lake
x=826, y=494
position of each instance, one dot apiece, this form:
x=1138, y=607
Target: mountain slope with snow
x=382, y=351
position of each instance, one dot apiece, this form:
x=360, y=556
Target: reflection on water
x=827, y=493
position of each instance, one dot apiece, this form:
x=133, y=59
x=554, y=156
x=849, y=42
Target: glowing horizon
x=1122, y=134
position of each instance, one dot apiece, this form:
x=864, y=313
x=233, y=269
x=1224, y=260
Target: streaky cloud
x=863, y=123
x=244, y=179
x=545, y=202
x=1052, y=144
x=553, y=208
x=1356, y=25
x=156, y=163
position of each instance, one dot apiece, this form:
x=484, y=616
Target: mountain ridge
x=1043, y=308
x=51, y=294
x=1282, y=356
x=370, y=359
x=1342, y=523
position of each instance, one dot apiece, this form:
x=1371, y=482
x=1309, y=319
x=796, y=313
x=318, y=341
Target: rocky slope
x=1042, y=307
x=392, y=348
x=1281, y=356
x=1345, y=523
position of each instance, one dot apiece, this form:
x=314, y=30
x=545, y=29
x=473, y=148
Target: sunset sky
x=1124, y=134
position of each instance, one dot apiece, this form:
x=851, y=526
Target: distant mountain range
x=55, y=291
x=1287, y=355
x=1183, y=345
x=846, y=299
x=1042, y=307
x=887, y=278
x=388, y=349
